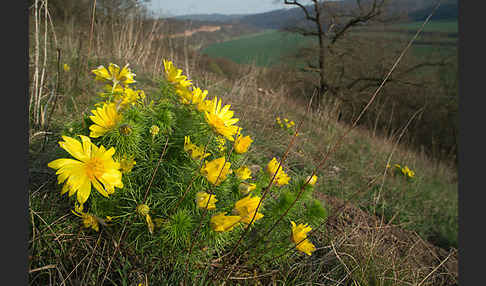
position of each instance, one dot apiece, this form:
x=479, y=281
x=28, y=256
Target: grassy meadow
x=372, y=224
x=272, y=46
x=444, y=26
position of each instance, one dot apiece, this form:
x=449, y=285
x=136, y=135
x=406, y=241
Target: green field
x=431, y=26
x=271, y=46
x=264, y=49
x=420, y=50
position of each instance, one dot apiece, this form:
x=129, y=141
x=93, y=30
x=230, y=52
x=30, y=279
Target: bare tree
x=330, y=21
x=346, y=65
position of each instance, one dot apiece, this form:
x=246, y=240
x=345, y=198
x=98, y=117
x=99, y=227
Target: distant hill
x=446, y=11
x=294, y=16
x=417, y=10
x=276, y=19
x=215, y=17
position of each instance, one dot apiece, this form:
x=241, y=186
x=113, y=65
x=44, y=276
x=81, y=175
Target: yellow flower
x=202, y=199
x=205, y=105
x=105, y=119
x=196, y=152
x=407, y=172
x=312, y=181
x=123, y=96
x=115, y=91
x=66, y=68
x=245, y=187
x=306, y=246
x=113, y=74
x=299, y=236
x=220, y=119
x=281, y=178
x=126, y=164
x=246, y=208
x=154, y=130
x=242, y=144
x=131, y=97
x=95, y=167
x=220, y=222
x=174, y=75
x=243, y=173
x=216, y=170
x=198, y=95
x=89, y=220
x=185, y=95
x=299, y=232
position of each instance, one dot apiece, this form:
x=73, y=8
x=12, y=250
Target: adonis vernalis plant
x=162, y=167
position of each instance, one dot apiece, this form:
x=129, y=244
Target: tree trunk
x=322, y=85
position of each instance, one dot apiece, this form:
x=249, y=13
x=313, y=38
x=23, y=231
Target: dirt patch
x=402, y=255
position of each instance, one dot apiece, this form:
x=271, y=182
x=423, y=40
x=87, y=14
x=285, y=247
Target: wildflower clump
x=404, y=171
x=171, y=169
x=286, y=124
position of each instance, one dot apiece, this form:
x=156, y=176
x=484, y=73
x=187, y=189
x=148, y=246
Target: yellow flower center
x=110, y=123
x=217, y=122
x=94, y=168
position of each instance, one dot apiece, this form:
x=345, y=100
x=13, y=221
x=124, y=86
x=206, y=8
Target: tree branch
x=307, y=15
x=373, y=13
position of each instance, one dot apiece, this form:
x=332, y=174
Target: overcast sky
x=184, y=7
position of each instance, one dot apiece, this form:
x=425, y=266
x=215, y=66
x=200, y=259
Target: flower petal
x=84, y=191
